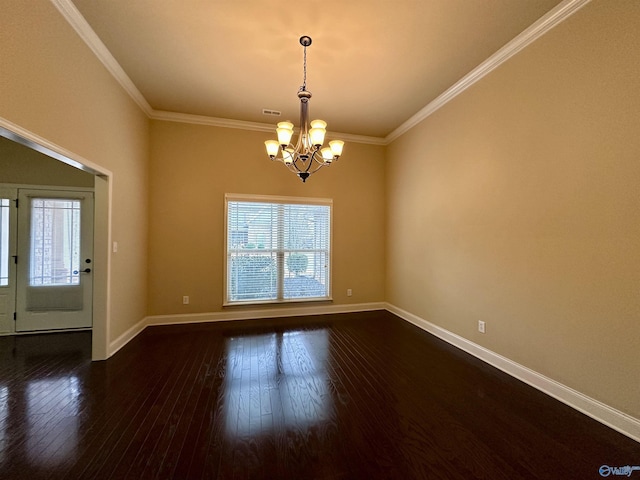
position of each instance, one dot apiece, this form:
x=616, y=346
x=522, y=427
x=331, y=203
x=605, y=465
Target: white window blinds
x=277, y=249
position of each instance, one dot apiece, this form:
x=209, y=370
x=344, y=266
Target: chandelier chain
x=304, y=78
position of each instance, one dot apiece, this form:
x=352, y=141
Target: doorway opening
x=100, y=257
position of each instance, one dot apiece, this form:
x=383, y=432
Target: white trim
x=609, y=416
x=127, y=336
x=61, y=330
x=279, y=250
x=350, y=137
x=233, y=314
x=29, y=139
x=210, y=121
x=558, y=14
x=28, y=186
x=254, y=126
x=102, y=202
x=246, y=197
x=554, y=17
x=73, y=16
x=102, y=256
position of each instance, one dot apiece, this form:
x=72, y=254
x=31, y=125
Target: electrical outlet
x=349, y=292
x=481, y=326
x=185, y=300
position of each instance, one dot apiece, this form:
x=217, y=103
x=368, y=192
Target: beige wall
x=517, y=204
x=193, y=166
x=53, y=86
x=22, y=165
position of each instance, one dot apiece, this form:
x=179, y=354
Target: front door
x=54, y=266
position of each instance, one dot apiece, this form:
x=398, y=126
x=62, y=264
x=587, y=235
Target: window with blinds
x=278, y=249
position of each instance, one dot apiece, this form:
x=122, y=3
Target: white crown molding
x=254, y=126
x=210, y=121
x=545, y=23
x=609, y=416
x=554, y=17
x=349, y=137
x=73, y=16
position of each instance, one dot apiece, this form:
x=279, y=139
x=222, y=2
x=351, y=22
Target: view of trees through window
x=277, y=251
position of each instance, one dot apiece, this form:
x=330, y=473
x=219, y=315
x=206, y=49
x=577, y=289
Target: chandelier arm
x=317, y=157
x=302, y=165
x=293, y=167
x=304, y=169
x=299, y=147
x=318, y=166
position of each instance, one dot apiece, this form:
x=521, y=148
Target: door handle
x=86, y=270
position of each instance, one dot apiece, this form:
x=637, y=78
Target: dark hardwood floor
x=354, y=396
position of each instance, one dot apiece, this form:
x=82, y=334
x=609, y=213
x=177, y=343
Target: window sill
x=297, y=301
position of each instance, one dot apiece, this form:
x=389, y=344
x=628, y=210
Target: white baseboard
x=126, y=337
x=619, y=421
x=233, y=314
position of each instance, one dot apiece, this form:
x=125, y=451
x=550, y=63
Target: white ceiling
x=373, y=64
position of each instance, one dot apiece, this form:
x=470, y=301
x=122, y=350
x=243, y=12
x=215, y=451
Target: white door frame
x=7, y=316
x=102, y=227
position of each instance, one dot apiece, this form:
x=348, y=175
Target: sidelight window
x=4, y=241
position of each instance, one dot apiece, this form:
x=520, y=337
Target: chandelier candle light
x=307, y=156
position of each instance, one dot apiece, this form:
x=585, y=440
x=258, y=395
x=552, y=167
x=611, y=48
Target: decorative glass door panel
x=54, y=260
x=55, y=242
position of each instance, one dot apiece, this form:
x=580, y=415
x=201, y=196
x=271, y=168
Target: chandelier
x=307, y=156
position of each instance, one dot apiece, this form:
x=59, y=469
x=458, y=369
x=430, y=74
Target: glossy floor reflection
x=334, y=397
x=53, y=407
x=275, y=380
x=40, y=401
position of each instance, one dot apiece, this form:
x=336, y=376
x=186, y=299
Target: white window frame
x=233, y=197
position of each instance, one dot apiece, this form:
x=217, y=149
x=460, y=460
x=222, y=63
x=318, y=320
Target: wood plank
x=362, y=395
